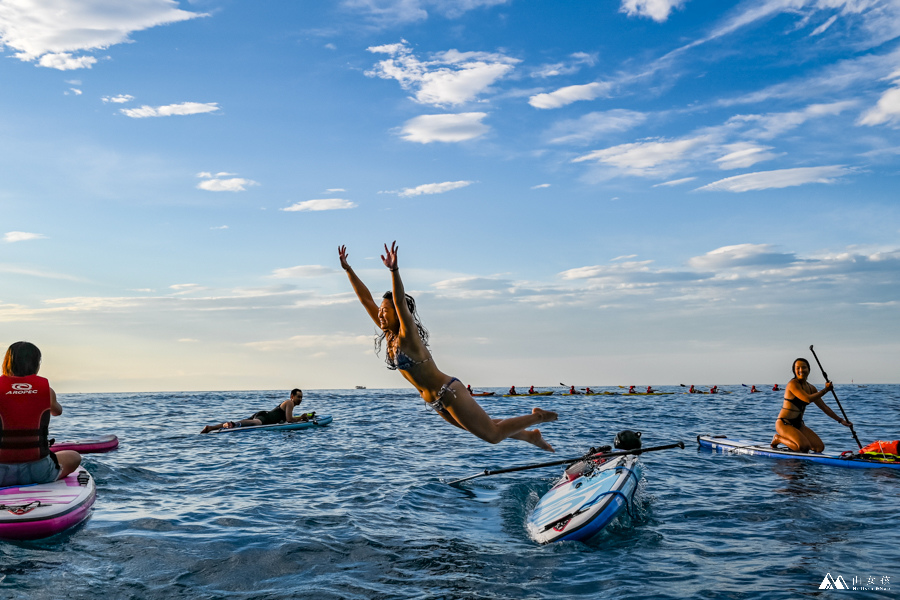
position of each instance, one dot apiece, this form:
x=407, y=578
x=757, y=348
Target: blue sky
x=613, y=192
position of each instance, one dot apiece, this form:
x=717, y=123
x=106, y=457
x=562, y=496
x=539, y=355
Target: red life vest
x=24, y=418
x=880, y=447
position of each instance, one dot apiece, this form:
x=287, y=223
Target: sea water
x=359, y=509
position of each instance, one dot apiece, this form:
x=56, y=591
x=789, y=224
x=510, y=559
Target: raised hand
x=342, y=252
x=389, y=258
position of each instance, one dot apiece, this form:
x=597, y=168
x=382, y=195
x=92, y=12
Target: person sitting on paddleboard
x=26, y=404
x=407, y=351
x=799, y=393
x=283, y=413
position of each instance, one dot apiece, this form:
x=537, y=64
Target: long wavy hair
x=423, y=333
x=22, y=359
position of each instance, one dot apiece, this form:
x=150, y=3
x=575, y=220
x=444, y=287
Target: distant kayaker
x=692, y=390
x=775, y=388
x=283, y=413
x=588, y=390
x=631, y=390
x=26, y=404
x=512, y=391
x=650, y=389
x=714, y=389
x=469, y=388
x=799, y=393
x=753, y=389
x=407, y=351
x=573, y=391
x=531, y=390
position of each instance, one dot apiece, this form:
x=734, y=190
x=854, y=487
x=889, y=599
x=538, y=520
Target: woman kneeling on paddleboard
x=407, y=351
x=799, y=393
x=283, y=413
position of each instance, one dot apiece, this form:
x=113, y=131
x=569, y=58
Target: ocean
x=360, y=510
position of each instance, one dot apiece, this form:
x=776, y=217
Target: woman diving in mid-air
x=407, y=351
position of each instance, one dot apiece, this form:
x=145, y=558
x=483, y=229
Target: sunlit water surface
x=359, y=510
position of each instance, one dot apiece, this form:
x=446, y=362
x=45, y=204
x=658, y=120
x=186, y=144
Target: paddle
x=825, y=375
x=565, y=461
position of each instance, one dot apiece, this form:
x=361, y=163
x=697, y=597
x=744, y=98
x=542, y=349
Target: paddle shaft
x=825, y=375
x=565, y=461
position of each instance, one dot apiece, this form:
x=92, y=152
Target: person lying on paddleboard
x=283, y=413
x=407, y=351
x=799, y=393
x=26, y=404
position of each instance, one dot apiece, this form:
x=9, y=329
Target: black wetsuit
x=270, y=417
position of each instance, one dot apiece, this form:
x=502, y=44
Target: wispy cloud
x=398, y=12
x=320, y=204
x=446, y=78
x=120, y=99
x=540, y=186
x=302, y=272
x=21, y=236
x=887, y=110
x=222, y=182
x=781, y=178
x=675, y=182
x=569, y=94
x=445, y=128
x=743, y=155
x=50, y=32
x=741, y=255
x=646, y=158
x=594, y=125
x=574, y=64
x=433, y=188
x=169, y=110
x=771, y=125
x=658, y=10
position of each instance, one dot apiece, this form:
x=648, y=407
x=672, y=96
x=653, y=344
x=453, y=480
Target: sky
x=608, y=192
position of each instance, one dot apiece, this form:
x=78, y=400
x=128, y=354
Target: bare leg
x=469, y=415
x=532, y=436
x=792, y=437
x=68, y=461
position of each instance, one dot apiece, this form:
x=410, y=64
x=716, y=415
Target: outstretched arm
x=827, y=410
x=407, y=322
x=362, y=292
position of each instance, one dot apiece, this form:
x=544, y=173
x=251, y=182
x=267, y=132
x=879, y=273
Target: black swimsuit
x=797, y=421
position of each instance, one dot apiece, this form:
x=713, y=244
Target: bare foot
x=533, y=436
x=206, y=429
x=774, y=443
x=545, y=415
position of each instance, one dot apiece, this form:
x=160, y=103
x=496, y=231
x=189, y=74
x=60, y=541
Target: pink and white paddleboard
x=36, y=511
x=104, y=443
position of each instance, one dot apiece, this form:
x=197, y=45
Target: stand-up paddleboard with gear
x=31, y=512
x=104, y=443
x=586, y=499
x=318, y=421
x=852, y=460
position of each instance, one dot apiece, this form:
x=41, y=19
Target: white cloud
x=448, y=78
x=335, y=190
x=302, y=271
x=771, y=125
x=220, y=227
x=593, y=125
x=21, y=236
x=120, y=99
x=216, y=183
x=320, y=204
x=433, y=188
x=398, y=12
x=887, y=110
x=646, y=158
x=741, y=255
x=445, y=128
x=540, y=186
x=658, y=10
x=51, y=30
x=821, y=28
x=185, y=108
x=782, y=178
x=743, y=155
x=577, y=60
x=674, y=182
x=75, y=91
x=570, y=94
x=66, y=62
